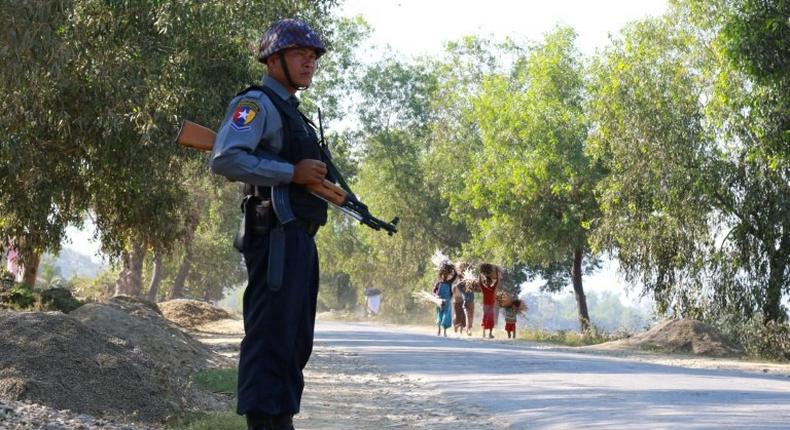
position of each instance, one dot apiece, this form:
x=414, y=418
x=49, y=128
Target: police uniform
x=260, y=123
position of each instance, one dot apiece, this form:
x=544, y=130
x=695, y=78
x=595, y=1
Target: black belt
x=311, y=228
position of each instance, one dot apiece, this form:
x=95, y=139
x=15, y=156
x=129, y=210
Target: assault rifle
x=192, y=135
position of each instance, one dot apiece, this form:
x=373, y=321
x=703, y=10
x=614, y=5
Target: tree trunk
x=772, y=308
x=130, y=281
x=578, y=289
x=156, y=278
x=186, y=265
x=30, y=265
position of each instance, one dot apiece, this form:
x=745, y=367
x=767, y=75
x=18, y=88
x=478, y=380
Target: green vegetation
x=668, y=151
x=217, y=381
x=567, y=338
x=210, y=421
x=20, y=297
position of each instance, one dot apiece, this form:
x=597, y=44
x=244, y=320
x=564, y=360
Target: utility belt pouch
x=263, y=219
x=244, y=235
x=257, y=219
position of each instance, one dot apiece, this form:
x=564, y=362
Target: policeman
x=266, y=143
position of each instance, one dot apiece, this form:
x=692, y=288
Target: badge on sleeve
x=244, y=114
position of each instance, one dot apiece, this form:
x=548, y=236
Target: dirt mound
x=54, y=359
x=142, y=324
x=192, y=313
x=683, y=336
x=226, y=326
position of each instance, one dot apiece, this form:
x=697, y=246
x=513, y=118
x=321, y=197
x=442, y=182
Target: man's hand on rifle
x=307, y=172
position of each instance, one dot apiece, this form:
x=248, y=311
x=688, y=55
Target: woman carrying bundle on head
x=459, y=290
x=471, y=285
x=444, y=290
x=489, y=280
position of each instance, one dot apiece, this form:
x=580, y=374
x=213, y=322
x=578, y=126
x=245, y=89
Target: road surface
x=498, y=383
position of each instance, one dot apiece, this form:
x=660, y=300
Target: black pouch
x=263, y=216
x=257, y=219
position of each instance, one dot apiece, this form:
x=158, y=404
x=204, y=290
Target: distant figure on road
x=372, y=301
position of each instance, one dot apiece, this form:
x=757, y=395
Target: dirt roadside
x=343, y=390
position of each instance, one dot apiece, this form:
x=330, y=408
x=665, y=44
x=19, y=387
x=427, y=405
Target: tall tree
x=648, y=133
x=41, y=143
x=531, y=176
x=696, y=137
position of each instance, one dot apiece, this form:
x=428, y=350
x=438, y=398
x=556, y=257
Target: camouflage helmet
x=289, y=33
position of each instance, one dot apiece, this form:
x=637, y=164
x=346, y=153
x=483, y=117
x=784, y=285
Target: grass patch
x=217, y=380
x=567, y=338
x=212, y=421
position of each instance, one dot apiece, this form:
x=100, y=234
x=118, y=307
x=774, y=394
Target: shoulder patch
x=244, y=115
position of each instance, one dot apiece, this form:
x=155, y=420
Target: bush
x=762, y=340
x=18, y=297
x=60, y=299
x=569, y=338
x=22, y=298
x=100, y=288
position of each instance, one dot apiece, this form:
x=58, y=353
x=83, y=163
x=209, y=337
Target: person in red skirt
x=489, y=280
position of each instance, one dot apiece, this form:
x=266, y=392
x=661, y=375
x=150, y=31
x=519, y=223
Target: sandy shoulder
x=343, y=390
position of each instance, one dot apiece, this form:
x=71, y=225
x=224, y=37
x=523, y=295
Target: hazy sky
x=415, y=27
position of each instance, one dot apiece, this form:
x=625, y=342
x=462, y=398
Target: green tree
x=106, y=84
x=531, y=176
x=696, y=205
x=41, y=143
x=648, y=134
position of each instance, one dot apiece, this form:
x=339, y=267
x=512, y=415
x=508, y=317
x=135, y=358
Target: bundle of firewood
x=471, y=280
x=506, y=300
x=426, y=297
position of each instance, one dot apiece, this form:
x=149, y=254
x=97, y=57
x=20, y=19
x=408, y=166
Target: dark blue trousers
x=278, y=327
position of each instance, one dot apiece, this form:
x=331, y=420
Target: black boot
x=269, y=422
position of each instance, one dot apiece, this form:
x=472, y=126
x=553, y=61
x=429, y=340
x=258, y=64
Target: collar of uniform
x=278, y=88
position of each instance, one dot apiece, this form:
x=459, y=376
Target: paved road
x=529, y=386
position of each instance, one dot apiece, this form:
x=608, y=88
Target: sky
x=421, y=27
x=415, y=27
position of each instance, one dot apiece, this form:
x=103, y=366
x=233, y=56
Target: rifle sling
x=329, y=164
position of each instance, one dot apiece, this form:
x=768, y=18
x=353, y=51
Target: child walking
x=511, y=316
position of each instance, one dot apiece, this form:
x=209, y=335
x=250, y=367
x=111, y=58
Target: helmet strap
x=288, y=73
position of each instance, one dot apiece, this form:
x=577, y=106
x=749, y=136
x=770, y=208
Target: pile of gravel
x=192, y=313
x=143, y=326
x=685, y=336
x=31, y=416
x=119, y=359
x=53, y=359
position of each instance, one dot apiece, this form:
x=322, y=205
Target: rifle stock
x=193, y=135
x=196, y=136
